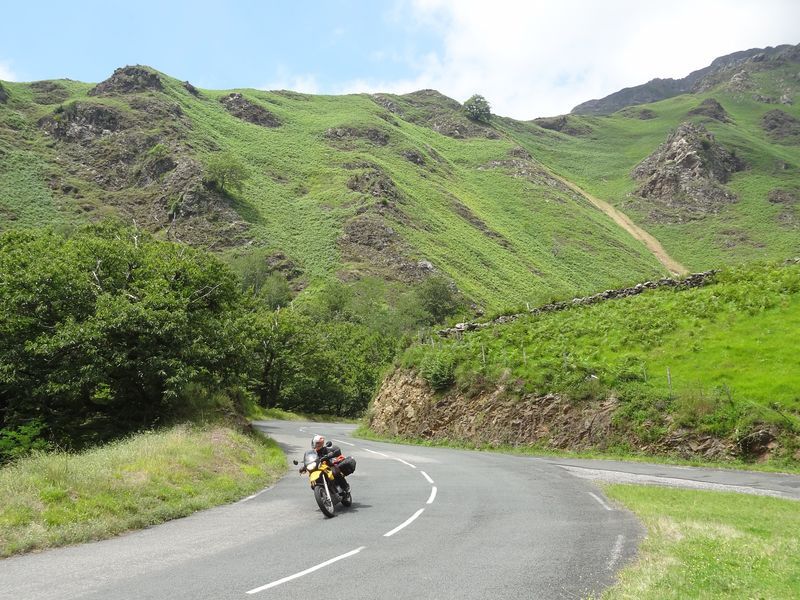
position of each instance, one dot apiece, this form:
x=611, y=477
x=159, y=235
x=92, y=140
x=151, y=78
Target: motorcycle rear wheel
x=347, y=499
x=324, y=502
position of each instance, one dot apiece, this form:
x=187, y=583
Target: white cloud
x=541, y=58
x=6, y=73
x=305, y=83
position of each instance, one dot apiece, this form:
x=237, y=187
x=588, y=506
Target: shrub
x=438, y=369
x=477, y=108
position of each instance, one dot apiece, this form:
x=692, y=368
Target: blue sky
x=214, y=44
x=529, y=58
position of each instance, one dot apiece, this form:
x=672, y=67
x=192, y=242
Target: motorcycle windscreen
x=310, y=456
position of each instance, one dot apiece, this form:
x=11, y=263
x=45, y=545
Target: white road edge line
x=306, y=572
x=254, y=495
x=616, y=552
x=405, y=523
x=408, y=464
x=600, y=500
x=433, y=495
x=343, y=442
x=426, y=476
x=378, y=453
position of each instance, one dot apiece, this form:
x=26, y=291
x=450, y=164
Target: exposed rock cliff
x=687, y=171
x=407, y=406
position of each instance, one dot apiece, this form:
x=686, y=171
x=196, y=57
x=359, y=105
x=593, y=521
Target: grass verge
x=55, y=499
x=782, y=466
x=263, y=414
x=703, y=544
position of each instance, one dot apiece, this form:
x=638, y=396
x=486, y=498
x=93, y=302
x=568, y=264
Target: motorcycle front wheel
x=323, y=501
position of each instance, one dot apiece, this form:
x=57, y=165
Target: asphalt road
x=496, y=526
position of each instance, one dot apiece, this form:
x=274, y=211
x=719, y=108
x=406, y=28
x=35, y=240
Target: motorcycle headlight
x=311, y=466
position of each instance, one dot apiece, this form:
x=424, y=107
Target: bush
x=477, y=108
x=438, y=369
x=100, y=332
x=224, y=172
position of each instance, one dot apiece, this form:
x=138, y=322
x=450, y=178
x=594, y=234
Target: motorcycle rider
x=318, y=444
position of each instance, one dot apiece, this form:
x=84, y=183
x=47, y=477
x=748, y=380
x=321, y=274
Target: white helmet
x=318, y=442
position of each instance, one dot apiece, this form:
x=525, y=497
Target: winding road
x=425, y=523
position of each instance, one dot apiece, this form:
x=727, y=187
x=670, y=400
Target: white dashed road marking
x=306, y=572
x=405, y=523
x=600, y=500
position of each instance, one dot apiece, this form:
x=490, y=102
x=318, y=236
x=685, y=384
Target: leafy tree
x=102, y=331
x=438, y=298
x=225, y=172
x=477, y=108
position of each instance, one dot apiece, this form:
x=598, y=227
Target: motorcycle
x=327, y=491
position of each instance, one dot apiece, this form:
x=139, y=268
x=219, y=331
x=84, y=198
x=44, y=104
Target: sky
x=528, y=58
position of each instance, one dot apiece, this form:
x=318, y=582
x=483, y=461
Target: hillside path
x=621, y=219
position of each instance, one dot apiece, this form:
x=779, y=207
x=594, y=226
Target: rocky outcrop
x=49, y=92
x=82, y=122
x=643, y=114
x=191, y=89
x=345, y=137
x=3, y=94
x=129, y=80
x=687, y=171
x=242, y=108
x=373, y=246
x=781, y=126
x=712, y=109
x=563, y=124
x=690, y=281
x=406, y=406
x=432, y=109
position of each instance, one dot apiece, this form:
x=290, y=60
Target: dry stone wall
x=690, y=281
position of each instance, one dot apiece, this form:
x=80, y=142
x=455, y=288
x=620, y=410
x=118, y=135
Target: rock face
x=406, y=406
x=345, y=137
x=82, y=122
x=3, y=94
x=781, y=126
x=242, y=108
x=49, y=92
x=712, y=109
x=563, y=124
x=129, y=80
x=687, y=172
x=432, y=109
x=732, y=68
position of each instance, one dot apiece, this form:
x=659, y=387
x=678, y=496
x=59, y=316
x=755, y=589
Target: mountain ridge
x=661, y=89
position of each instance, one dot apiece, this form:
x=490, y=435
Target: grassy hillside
x=384, y=185
x=57, y=499
x=344, y=186
x=602, y=157
x=719, y=360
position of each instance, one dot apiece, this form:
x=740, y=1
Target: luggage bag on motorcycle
x=347, y=466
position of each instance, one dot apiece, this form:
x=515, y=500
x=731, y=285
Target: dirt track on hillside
x=621, y=219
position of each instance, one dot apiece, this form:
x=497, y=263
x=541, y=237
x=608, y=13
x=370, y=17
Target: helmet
x=318, y=442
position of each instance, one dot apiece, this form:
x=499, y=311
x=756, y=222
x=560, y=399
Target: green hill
x=762, y=218
x=395, y=186
x=369, y=209
x=710, y=371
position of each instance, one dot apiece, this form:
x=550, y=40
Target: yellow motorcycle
x=327, y=491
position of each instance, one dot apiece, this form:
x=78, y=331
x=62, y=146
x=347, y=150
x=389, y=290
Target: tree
x=439, y=298
x=101, y=332
x=477, y=108
x=225, y=172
